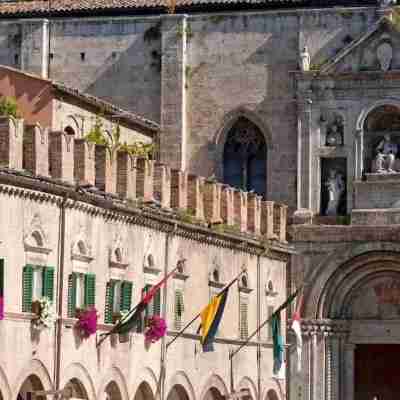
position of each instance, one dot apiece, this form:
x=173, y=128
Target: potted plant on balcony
x=45, y=316
x=87, y=322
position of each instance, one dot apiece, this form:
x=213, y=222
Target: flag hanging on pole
x=277, y=340
x=277, y=337
x=210, y=318
x=296, y=326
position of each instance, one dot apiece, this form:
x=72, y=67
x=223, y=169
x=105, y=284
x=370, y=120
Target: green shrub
x=9, y=107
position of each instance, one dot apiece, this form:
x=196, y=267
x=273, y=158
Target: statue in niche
x=305, y=60
x=386, y=152
x=334, y=134
x=335, y=186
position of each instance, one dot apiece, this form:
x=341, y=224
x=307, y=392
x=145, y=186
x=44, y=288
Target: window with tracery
x=245, y=157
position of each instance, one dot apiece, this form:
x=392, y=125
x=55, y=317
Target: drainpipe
x=59, y=294
x=258, y=324
x=164, y=314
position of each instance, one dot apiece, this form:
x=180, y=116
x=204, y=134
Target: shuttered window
x=37, y=282
x=108, y=312
x=178, y=309
x=2, y=278
x=90, y=290
x=81, y=292
x=153, y=308
x=72, y=279
x=126, y=295
x=243, y=319
x=118, y=298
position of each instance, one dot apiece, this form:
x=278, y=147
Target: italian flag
x=296, y=320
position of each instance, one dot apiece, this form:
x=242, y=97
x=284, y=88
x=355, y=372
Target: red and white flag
x=296, y=326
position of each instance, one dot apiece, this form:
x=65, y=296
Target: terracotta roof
x=41, y=7
x=102, y=105
x=108, y=108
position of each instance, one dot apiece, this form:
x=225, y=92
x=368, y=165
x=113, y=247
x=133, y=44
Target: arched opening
x=213, y=394
x=69, y=130
x=272, y=395
x=177, y=392
x=31, y=384
x=215, y=275
x=144, y=392
x=81, y=248
x=112, y=392
x=37, y=238
x=382, y=139
x=77, y=389
x=245, y=157
x=118, y=255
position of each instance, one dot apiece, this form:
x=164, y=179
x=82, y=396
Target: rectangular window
x=243, y=319
x=37, y=282
x=178, y=310
x=118, y=299
x=153, y=307
x=81, y=292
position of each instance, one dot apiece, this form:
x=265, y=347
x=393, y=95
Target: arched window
x=245, y=157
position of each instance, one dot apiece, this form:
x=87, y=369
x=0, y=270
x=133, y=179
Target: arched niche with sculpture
x=381, y=137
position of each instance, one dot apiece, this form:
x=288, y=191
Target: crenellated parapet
x=61, y=156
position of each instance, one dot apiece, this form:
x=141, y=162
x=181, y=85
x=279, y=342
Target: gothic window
x=245, y=157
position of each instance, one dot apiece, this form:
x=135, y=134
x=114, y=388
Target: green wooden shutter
x=126, y=295
x=157, y=303
x=244, y=330
x=2, y=278
x=27, y=288
x=72, y=294
x=90, y=290
x=179, y=308
x=48, y=283
x=108, y=313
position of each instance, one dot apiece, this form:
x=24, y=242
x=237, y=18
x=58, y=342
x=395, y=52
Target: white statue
x=386, y=150
x=305, y=59
x=335, y=186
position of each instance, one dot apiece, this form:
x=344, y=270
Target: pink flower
x=156, y=330
x=1, y=307
x=87, y=322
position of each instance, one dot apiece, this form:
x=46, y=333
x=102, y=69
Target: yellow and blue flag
x=210, y=318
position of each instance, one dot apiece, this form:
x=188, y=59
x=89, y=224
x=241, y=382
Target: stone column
x=173, y=141
x=332, y=367
x=349, y=349
x=304, y=159
x=358, y=154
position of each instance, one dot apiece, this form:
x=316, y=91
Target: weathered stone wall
x=229, y=64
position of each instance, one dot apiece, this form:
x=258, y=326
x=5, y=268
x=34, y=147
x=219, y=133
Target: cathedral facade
x=296, y=101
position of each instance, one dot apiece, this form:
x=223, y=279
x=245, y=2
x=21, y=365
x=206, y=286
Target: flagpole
x=122, y=320
x=280, y=308
x=180, y=333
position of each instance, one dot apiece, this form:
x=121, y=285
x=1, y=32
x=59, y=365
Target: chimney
x=61, y=156
x=254, y=213
x=240, y=209
x=11, y=142
x=195, y=196
x=179, y=188
x=227, y=205
x=36, y=150
x=162, y=185
x=84, y=161
x=212, y=202
x=144, y=179
x=126, y=175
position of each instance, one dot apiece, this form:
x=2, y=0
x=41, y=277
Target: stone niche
x=333, y=186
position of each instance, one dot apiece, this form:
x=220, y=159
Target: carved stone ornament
x=384, y=53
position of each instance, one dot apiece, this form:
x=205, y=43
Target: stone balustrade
x=65, y=158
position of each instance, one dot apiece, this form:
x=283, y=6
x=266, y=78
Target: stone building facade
x=70, y=240
x=298, y=101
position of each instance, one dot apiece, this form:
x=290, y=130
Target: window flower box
x=87, y=322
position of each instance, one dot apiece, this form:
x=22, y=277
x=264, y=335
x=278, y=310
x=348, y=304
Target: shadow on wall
x=129, y=77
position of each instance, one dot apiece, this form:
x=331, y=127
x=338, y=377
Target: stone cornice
x=325, y=327
x=111, y=208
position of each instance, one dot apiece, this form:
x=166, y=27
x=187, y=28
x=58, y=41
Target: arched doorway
x=77, y=389
x=213, y=394
x=144, y=392
x=245, y=157
x=112, y=392
x=31, y=384
x=177, y=392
